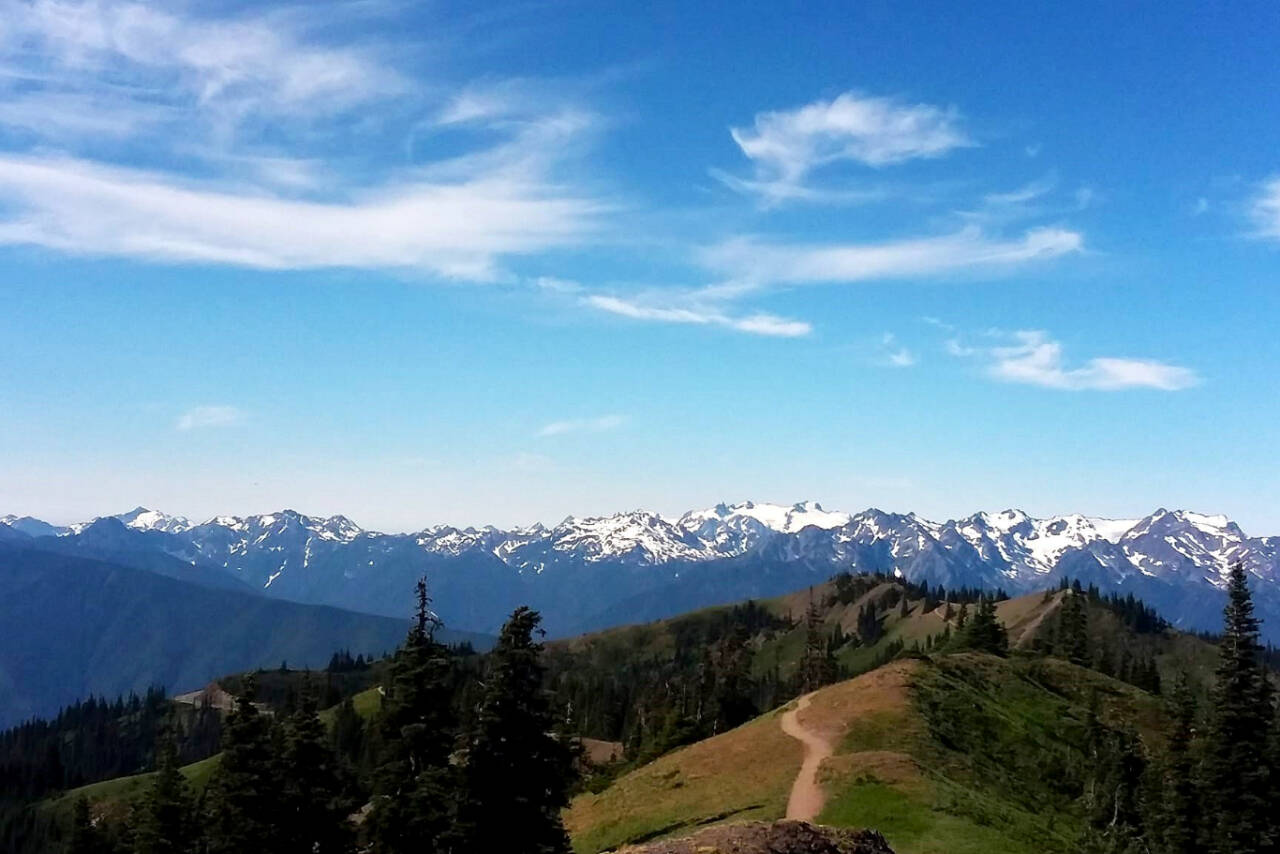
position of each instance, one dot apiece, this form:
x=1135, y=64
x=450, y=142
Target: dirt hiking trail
x=807, y=796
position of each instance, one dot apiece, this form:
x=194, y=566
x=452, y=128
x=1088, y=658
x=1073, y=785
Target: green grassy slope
x=1028, y=619
x=959, y=753
x=115, y=796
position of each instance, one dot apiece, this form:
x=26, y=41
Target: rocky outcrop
x=762, y=837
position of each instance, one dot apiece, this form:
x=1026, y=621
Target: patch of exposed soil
x=807, y=796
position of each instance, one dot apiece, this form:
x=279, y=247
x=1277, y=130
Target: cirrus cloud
x=199, y=417
x=683, y=309
x=452, y=228
x=787, y=145
x=1032, y=357
x=748, y=259
x=601, y=424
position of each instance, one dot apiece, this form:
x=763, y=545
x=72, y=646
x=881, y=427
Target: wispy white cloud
x=871, y=130
x=1266, y=209
x=278, y=179
x=454, y=229
x=894, y=354
x=210, y=416
x=685, y=309
x=748, y=259
x=1030, y=191
x=787, y=145
x=1032, y=357
x=773, y=191
x=749, y=266
x=599, y=424
x=229, y=69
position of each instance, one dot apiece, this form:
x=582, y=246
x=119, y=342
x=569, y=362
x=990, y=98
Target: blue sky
x=419, y=263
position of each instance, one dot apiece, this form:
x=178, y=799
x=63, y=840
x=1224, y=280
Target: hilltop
x=942, y=749
x=659, y=684
x=961, y=753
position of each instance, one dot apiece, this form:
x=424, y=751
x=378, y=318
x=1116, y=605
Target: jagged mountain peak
x=142, y=519
x=776, y=517
x=331, y=559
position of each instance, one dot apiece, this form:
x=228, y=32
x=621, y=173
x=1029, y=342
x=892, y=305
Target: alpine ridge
x=592, y=572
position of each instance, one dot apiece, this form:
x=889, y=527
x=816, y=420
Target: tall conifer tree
x=165, y=822
x=243, y=802
x=411, y=799
x=85, y=837
x=1181, y=803
x=314, y=813
x=517, y=773
x=1242, y=715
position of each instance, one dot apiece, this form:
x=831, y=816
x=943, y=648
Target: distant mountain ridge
x=74, y=626
x=591, y=572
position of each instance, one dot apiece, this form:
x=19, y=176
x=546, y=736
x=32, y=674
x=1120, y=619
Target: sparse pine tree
x=411, y=805
x=1114, y=796
x=813, y=667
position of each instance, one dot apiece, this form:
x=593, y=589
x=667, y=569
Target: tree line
x=436, y=784
x=98, y=739
x=1215, y=787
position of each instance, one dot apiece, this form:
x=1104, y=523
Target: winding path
x=807, y=796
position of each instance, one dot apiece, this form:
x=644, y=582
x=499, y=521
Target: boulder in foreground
x=762, y=837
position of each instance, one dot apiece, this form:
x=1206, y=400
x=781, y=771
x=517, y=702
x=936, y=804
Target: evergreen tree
x=985, y=632
x=84, y=838
x=1114, y=795
x=411, y=806
x=313, y=816
x=870, y=628
x=731, y=683
x=1073, y=628
x=164, y=822
x=962, y=617
x=815, y=661
x=1181, y=805
x=1241, y=720
x=517, y=774
x=243, y=802
x=348, y=733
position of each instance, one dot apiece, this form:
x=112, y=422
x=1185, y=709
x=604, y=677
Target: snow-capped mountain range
x=588, y=572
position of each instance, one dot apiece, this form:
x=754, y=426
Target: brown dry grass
x=599, y=752
x=744, y=773
x=867, y=718
x=1023, y=616
x=747, y=773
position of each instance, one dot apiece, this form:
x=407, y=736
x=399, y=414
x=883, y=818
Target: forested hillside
x=958, y=721
x=75, y=627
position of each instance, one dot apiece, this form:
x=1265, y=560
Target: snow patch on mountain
x=142, y=519
x=332, y=559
